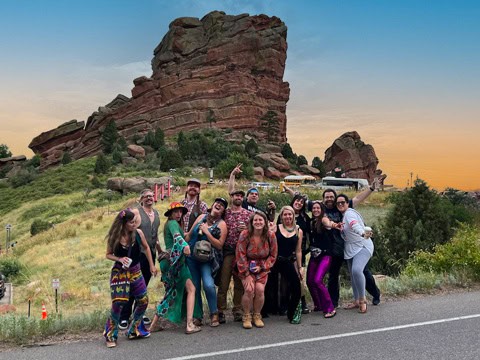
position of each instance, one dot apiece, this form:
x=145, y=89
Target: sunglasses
x=148, y=196
x=341, y=203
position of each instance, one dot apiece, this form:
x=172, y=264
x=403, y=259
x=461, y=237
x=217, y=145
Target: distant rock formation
x=222, y=70
x=357, y=159
x=12, y=160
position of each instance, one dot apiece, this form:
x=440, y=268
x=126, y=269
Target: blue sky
x=404, y=74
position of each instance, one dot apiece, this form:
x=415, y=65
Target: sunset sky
x=405, y=74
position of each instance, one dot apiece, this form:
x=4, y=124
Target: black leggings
x=288, y=273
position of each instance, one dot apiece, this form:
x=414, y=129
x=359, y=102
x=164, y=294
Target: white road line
x=322, y=338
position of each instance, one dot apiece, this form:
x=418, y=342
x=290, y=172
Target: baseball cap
x=240, y=192
x=253, y=189
x=195, y=181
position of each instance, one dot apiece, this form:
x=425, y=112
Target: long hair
x=118, y=229
x=170, y=217
x=287, y=208
x=264, y=235
x=317, y=225
x=299, y=197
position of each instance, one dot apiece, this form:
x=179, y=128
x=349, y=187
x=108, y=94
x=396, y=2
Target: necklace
x=289, y=230
x=150, y=214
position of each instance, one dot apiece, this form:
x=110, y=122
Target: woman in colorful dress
x=255, y=255
x=124, y=243
x=288, y=265
x=210, y=227
x=320, y=260
x=175, y=273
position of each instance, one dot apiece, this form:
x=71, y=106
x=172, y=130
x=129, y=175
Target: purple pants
x=317, y=268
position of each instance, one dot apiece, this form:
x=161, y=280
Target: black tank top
x=286, y=245
x=122, y=251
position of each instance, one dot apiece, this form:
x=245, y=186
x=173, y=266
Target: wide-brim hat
x=175, y=205
x=239, y=192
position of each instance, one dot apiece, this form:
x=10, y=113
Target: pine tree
x=66, y=158
x=109, y=137
x=102, y=165
x=269, y=124
x=5, y=151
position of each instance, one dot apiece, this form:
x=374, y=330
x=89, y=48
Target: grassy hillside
x=73, y=249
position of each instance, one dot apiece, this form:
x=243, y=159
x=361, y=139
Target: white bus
x=334, y=183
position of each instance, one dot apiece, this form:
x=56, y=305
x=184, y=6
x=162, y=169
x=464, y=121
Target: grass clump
x=21, y=330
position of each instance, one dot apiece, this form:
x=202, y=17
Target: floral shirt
x=264, y=254
x=232, y=218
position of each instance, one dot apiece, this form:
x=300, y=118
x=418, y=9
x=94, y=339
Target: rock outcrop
x=357, y=159
x=136, y=184
x=14, y=160
x=221, y=70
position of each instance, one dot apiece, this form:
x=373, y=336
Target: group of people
x=206, y=246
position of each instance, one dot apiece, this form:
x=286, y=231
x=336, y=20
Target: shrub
x=10, y=267
x=461, y=255
x=171, y=160
x=38, y=226
x=226, y=166
x=419, y=220
x=23, y=177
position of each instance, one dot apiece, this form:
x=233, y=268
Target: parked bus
x=299, y=180
x=334, y=183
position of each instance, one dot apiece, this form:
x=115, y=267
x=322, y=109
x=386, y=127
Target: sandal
x=351, y=306
x=193, y=329
x=330, y=314
x=111, y=344
x=362, y=308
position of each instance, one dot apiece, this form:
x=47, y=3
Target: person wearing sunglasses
x=358, y=249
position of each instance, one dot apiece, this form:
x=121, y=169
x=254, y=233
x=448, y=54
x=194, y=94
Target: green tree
x=171, y=160
x=269, y=124
x=116, y=156
x=211, y=118
x=318, y=164
x=34, y=162
x=109, y=137
x=251, y=148
x=4, y=151
x=102, y=165
x=225, y=167
x=149, y=139
x=418, y=220
x=159, y=138
x=66, y=158
x=302, y=160
x=288, y=153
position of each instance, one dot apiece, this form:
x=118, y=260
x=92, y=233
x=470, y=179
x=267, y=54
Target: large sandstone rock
x=275, y=160
x=273, y=173
x=228, y=67
x=307, y=169
x=136, y=151
x=357, y=159
x=136, y=184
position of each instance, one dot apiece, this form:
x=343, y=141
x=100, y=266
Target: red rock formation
x=225, y=68
x=357, y=159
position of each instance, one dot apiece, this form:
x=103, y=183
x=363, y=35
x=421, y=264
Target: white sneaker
x=123, y=325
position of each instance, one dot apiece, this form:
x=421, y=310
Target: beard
x=237, y=202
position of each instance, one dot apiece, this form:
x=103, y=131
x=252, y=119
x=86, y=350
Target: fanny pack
x=316, y=252
x=202, y=250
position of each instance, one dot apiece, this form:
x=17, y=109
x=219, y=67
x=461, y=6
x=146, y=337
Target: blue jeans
x=202, y=275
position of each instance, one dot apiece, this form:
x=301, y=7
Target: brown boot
x=247, y=320
x=257, y=320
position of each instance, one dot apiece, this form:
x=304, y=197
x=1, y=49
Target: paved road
x=432, y=327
